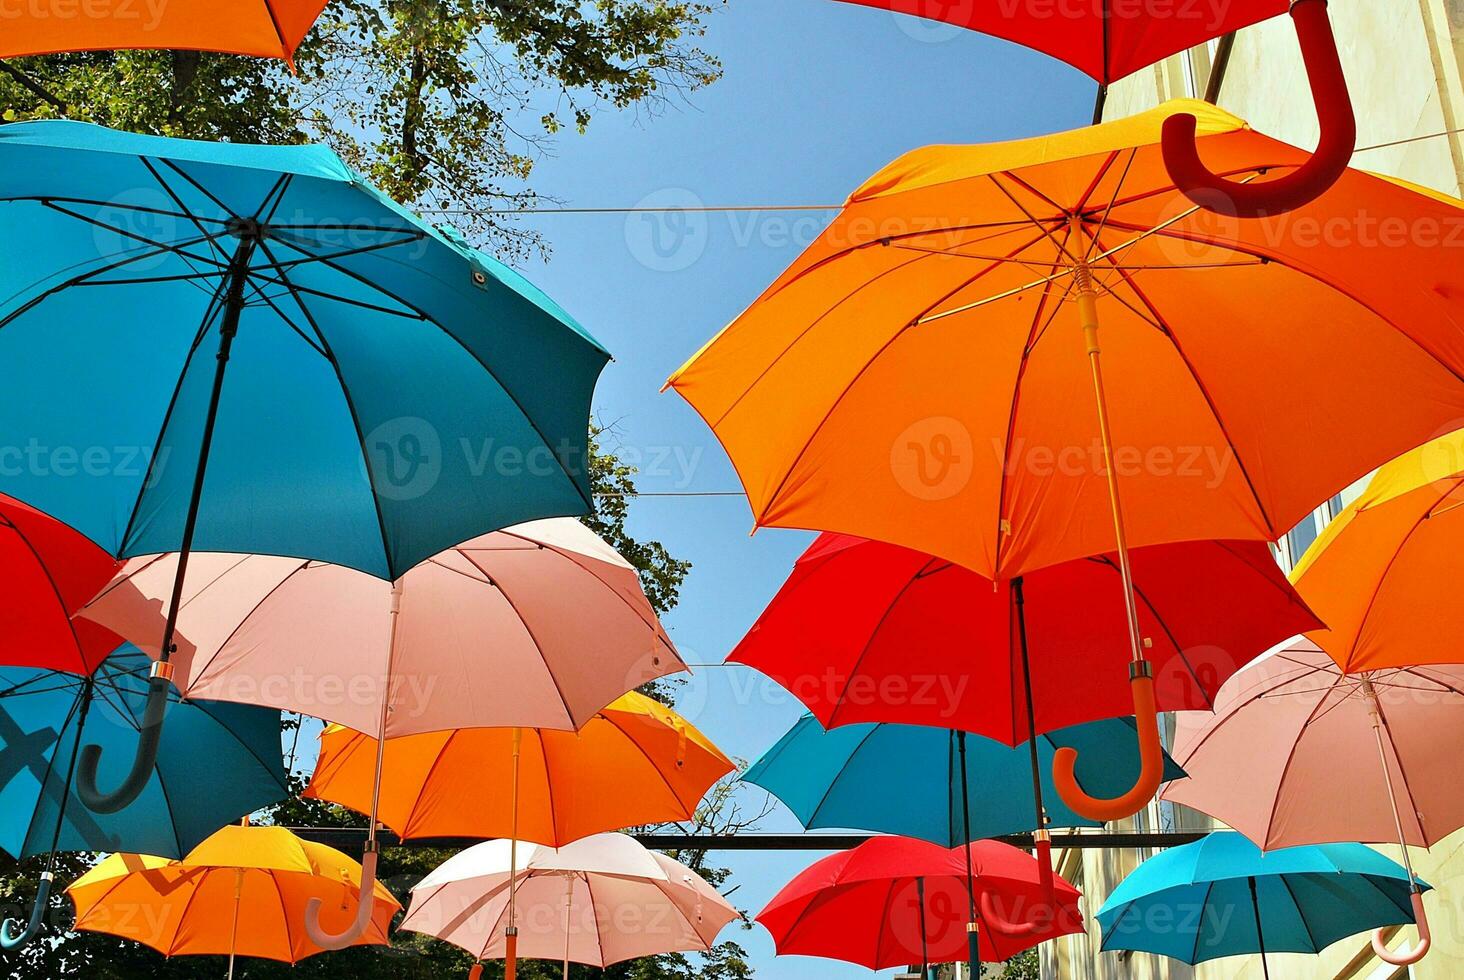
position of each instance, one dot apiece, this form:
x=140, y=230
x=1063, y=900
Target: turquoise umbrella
x=249, y=349
x=907, y=779
x=216, y=763
x=1223, y=896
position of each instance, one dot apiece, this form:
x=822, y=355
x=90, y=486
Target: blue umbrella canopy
x=906, y=779
x=216, y=762
x=1206, y=900
x=390, y=392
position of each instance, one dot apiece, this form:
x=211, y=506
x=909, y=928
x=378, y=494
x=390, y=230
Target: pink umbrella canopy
x=537, y=626
x=601, y=900
x=1290, y=755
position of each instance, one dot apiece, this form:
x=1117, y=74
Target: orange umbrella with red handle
x=914, y=377
x=262, y=28
x=1107, y=41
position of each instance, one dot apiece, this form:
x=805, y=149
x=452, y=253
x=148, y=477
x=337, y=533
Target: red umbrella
x=1109, y=39
x=894, y=901
x=49, y=570
x=869, y=632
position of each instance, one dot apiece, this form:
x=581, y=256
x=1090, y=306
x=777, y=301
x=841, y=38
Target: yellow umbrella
x=1384, y=576
x=241, y=892
x=635, y=762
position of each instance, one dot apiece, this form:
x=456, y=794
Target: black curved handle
x=9, y=938
x=143, y=762
x=1311, y=179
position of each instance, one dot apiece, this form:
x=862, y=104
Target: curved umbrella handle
x=1311, y=179
x=144, y=760
x=476, y=973
x=365, y=904
x=994, y=920
x=1405, y=956
x=1151, y=759
x=11, y=940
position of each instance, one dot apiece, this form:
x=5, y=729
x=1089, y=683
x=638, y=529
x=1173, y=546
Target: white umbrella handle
x=365, y=904
x=1404, y=956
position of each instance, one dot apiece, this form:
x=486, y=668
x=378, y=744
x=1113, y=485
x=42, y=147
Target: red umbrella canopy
x=864, y=631
x=1104, y=39
x=49, y=571
x=865, y=906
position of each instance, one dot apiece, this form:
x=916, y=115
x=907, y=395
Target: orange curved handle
x=365, y=905
x=1405, y=956
x=995, y=921
x=476, y=973
x=1151, y=759
x=1311, y=179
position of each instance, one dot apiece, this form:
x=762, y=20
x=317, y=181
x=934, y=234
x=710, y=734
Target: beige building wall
x=1402, y=59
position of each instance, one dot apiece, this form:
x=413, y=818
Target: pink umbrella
x=1298, y=752
x=536, y=626
x=601, y=900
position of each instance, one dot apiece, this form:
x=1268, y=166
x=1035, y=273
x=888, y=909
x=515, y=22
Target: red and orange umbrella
x=1107, y=41
x=262, y=28
x=913, y=377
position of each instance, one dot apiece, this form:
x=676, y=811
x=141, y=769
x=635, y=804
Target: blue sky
x=817, y=96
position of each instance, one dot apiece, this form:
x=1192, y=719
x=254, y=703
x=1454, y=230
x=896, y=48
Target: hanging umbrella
x=911, y=378
x=262, y=28
x=50, y=571
x=238, y=893
x=893, y=901
x=633, y=763
x=1221, y=896
x=1107, y=41
x=907, y=779
x=537, y=626
x=215, y=763
x=328, y=376
x=1384, y=574
x=865, y=632
x=1299, y=753
x=601, y=900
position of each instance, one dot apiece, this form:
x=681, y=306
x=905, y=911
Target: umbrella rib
x=528, y=630
x=71, y=713
x=210, y=313
x=1194, y=374
x=1233, y=712
x=1195, y=953
x=274, y=879
x=879, y=936
x=533, y=424
x=276, y=194
x=1034, y=333
x=1377, y=588
x=177, y=169
x=869, y=363
x=197, y=671
x=1291, y=757
x=864, y=650
x=113, y=205
x=1164, y=625
x=55, y=588
x=599, y=937
x=1300, y=913
x=1107, y=211
x=187, y=905
x=688, y=812
x=828, y=791
x=409, y=825
x=206, y=707
x=1403, y=771
x=173, y=195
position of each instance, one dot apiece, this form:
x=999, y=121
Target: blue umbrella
x=390, y=392
x=216, y=763
x=1222, y=896
x=906, y=779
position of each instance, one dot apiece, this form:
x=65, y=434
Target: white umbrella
x=598, y=901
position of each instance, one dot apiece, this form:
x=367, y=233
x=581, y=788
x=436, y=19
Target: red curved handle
x=1311, y=179
x=1405, y=956
x=995, y=921
x=1151, y=768
x=476, y=973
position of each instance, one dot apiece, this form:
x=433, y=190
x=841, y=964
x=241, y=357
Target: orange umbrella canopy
x=635, y=762
x=264, y=28
x=264, y=874
x=921, y=376
x=1384, y=576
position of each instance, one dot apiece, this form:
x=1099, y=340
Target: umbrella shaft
x=1019, y=600
x=1378, y=726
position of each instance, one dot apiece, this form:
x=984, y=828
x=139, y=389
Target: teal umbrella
x=249, y=349
x=908, y=779
x=216, y=763
x=1223, y=896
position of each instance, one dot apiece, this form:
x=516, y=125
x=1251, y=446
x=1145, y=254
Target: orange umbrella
x=917, y=375
x=241, y=892
x=635, y=762
x=1384, y=576
x=264, y=28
